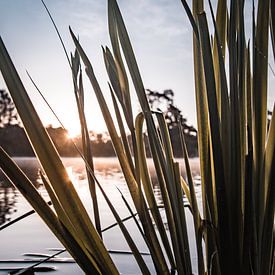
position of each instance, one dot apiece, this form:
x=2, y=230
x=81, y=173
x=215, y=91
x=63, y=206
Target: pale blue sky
x=159, y=30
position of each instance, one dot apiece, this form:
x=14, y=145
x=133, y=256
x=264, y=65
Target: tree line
x=14, y=140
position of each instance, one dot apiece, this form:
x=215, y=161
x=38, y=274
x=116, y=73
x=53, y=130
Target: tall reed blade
x=147, y=185
x=272, y=26
x=222, y=205
x=260, y=105
x=122, y=132
x=269, y=199
x=86, y=145
x=194, y=204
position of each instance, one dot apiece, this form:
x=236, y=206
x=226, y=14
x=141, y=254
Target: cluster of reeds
x=234, y=234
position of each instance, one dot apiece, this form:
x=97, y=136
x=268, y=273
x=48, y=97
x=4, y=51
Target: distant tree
x=8, y=113
x=99, y=138
x=164, y=101
x=14, y=141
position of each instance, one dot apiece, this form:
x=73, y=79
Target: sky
x=160, y=33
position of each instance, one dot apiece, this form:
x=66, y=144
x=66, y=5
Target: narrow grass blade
x=86, y=145
x=221, y=82
x=31, y=268
x=126, y=252
x=249, y=238
x=260, y=104
x=272, y=26
x=191, y=18
x=37, y=260
x=267, y=241
x=186, y=255
x=248, y=97
x=132, y=214
x=121, y=72
x=147, y=185
x=268, y=221
x=186, y=191
x=194, y=204
x=269, y=150
x=113, y=74
x=124, y=99
x=11, y=270
x=115, y=224
x=222, y=205
x=19, y=218
x=122, y=132
x=219, y=44
x=115, y=16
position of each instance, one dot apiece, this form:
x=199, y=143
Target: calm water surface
x=32, y=236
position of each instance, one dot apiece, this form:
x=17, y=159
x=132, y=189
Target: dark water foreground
x=32, y=236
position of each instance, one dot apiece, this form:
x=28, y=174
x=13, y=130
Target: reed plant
x=234, y=232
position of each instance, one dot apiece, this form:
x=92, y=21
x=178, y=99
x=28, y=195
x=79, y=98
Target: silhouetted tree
x=164, y=101
x=8, y=113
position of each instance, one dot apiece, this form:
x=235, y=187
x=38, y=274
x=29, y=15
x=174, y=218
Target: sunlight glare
x=73, y=131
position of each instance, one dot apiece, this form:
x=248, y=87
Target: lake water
x=30, y=235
